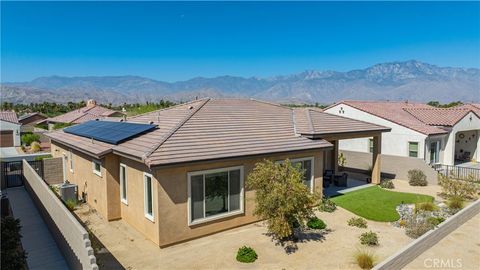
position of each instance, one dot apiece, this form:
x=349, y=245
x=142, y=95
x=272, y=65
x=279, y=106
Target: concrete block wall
x=53, y=170
x=428, y=240
x=70, y=235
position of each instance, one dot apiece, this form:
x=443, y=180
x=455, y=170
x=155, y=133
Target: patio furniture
x=327, y=178
x=340, y=180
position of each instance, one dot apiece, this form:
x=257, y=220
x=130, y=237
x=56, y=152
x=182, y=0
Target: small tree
x=13, y=257
x=282, y=199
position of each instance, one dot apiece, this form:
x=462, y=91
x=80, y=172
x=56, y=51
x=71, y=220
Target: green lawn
x=375, y=203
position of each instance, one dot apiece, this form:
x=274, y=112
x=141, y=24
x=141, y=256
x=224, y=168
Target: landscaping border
x=71, y=237
x=429, y=239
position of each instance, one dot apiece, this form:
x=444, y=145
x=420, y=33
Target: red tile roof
x=9, y=116
x=83, y=114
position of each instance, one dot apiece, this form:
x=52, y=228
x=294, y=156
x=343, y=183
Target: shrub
x=365, y=259
x=61, y=125
x=357, y=222
x=425, y=206
x=455, y=202
x=246, y=255
x=453, y=187
x=29, y=138
x=387, y=184
x=42, y=157
x=13, y=257
x=369, y=238
x=35, y=147
x=71, y=204
x=316, y=223
x=435, y=221
x=416, y=227
x=402, y=223
x=417, y=178
x=327, y=205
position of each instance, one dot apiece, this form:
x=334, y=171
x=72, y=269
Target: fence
x=69, y=234
x=458, y=172
x=428, y=240
x=11, y=172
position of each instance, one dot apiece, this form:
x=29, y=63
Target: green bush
x=365, y=259
x=425, y=206
x=435, y=221
x=455, y=202
x=387, y=184
x=71, y=204
x=357, y=222
x=61, y=125
x=369, y=238
x=316, y=223
x=246, y=255
x=327, y=205
x=29, y=138
x=42, y=126
x=13, y=257
x=416, y=227
x=417, y=178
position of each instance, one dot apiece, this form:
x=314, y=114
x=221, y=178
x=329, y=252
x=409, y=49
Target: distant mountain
x=412, y=80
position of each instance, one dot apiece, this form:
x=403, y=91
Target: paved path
x=37, y=241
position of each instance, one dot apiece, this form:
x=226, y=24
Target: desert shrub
x=402, y=223
x=35, y=147
x=387, y=184
x=29, y=138
x=357, y=222
x=42, y=157
x=416, y=227
x=435, y=221
x=425, y=206
x=417, y=178
x=42, y=126
x=365, y=259
x=13, y=257
x=246, y=255
x=71, y=204
x=455, y=202
x=453, y=187
x=369, y=239
x=316, y=223
x=327, y=205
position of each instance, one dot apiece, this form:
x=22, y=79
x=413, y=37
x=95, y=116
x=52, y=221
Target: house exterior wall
x=4, y=125
x=394, y=142
x=470, y=122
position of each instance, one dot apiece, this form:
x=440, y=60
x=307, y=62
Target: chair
x=327, y=178
x=340, y=180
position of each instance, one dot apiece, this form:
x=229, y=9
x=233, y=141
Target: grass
x=375, y=203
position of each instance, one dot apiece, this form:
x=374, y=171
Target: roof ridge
x=169, y=134
x=167, y=108
x=310, y=122
x=271, y=103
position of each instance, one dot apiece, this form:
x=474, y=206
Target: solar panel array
x=107, y=131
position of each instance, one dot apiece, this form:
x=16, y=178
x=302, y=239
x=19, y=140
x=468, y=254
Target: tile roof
x=83, y=114
x=210, y=129
x=475, y=107
x=9, y=116
x=438, y=116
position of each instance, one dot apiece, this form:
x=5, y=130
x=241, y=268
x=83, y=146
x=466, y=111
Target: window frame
x=370, y=145
x=418, y=148
x=123, y=184
x=99, y=162
x=70, y=159
x=312, y=176
x=149, y=216
x=219, y=216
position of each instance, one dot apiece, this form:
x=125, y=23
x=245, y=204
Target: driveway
x=8, y=152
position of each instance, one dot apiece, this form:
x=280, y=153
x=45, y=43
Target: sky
x=173, y=41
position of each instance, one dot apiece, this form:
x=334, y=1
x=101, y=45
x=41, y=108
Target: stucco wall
x=394, y=142
x=53, y=170
x=4, y=125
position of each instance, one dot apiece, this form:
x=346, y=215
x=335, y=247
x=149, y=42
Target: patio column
x=334, y=157
x=376, y=161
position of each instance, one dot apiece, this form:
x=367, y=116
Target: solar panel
x=107, y=131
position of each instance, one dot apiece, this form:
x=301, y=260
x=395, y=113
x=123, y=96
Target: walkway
x=37, y=241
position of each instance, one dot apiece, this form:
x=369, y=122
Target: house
x=30, y=120
x=179, y=173
x=9, y=129
x=91, y=111
x=446, y=136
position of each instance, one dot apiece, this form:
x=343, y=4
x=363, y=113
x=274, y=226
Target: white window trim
x=418, y=149
x=312, y=177
x=147, y=215
x=123, y=184
x=96, y=161
x=219, y=216
x=70, y=160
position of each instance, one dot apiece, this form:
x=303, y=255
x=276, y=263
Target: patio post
x=334, y=157
x=376, y=161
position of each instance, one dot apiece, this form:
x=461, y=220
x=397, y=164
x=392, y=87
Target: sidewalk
x=37, y=241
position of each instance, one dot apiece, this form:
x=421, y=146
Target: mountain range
x=407, y=80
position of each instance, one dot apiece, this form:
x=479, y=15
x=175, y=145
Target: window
x=97, y=167
x=148, y=195
x=123, y=184
x=413, y=149
x=306, y=164
x=370, y=145
x=214, y=194
x=70, y=158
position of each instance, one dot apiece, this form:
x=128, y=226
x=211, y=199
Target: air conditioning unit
x=68, y=192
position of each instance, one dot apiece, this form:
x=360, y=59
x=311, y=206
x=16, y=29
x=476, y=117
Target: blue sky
x=176, y=41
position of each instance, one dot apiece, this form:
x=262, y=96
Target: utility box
x=68, y=192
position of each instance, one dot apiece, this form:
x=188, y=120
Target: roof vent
x=91, y=103
x=191, y=107
x=151, y=122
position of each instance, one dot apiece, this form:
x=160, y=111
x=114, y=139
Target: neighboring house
x=179, y=173
x=90, y=112
x=437, y=135
x=30, y=120
x=9, y=129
